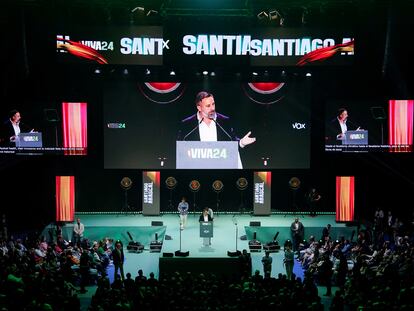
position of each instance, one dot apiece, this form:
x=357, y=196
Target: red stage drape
x=75, y=134
x=400, y=125
x=65, y=198
x=345, y=198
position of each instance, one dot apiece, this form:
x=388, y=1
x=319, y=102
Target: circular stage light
x=218, y=185
x=171, y=182
x=241, y=183
x=194, y=185
x=294, y=183
x=126, y=183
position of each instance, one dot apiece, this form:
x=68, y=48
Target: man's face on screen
x=343, y=116
x=207, y=107
x=16, y=117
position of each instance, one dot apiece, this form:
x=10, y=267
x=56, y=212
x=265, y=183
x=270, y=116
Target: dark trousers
x=119, y=267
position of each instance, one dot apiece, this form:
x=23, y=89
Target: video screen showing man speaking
x=258, y=124
x=369, y=125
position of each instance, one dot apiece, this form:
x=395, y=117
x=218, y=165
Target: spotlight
x=97, y=71
x=273, y=15
x=262, y=15
x=147, y=71
x=205, y=72
x=254, y=73
x=125, y=72
x=152, y=13
x=308, y=74
x=265, y=160
x=212, y=74
x=266, y=73
x=172, y=73
x=283, y=74
x=162, y=161
x=138, y=8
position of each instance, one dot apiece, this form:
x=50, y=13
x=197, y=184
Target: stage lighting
x=308, y=74
x=97, y=71
x=162, y=160
x=125, y=72
x=205, y=72
x=283, y=74
x=212, y=74
x=138, y=8
x=262, y=15
x=147, y=72
x=152, y=12
x=254, y=73
x=172, y=73
x=265, y=160
x=273, y=15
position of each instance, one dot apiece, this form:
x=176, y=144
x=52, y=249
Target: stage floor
x=116, y=226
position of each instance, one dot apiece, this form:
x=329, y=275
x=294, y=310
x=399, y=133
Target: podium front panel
x=355, y=138
x=207, y=154
x=206, y=229
x=29, y=140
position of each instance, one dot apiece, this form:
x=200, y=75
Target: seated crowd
x=376, y=271
x=41, y=275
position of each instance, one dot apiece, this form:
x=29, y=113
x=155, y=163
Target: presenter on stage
x=204, y=217
x=208, y=125
x=183, y=210
x=11, y=129
x=337, y=127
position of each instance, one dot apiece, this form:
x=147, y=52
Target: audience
x=375, y=272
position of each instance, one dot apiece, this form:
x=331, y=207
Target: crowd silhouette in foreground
x=374, y=272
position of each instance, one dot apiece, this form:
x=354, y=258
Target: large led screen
x=232, y=125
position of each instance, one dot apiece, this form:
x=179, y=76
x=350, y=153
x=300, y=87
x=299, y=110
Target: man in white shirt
x=12, y=128
x=78, y=230
x=339, y=126
x=209, y=125
x=183, y=210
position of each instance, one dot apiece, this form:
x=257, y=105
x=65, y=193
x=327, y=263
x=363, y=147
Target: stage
x=140, y=227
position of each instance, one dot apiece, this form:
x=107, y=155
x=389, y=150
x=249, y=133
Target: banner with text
x=155, y=45
x=262, y=189
x=150, y=193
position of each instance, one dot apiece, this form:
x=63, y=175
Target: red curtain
x=75, y=134
x=65, y=198
x=400, y=125
x=345, y=198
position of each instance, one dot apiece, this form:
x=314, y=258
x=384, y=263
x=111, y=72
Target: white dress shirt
x=207, y=132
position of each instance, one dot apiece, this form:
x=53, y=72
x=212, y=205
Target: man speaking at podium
x=339, y=126
x=12, y=128
x=209, y=125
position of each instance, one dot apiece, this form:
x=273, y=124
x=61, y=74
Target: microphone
x=196, y=127
x=225, y=132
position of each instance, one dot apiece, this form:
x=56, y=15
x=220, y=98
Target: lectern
x=355, y=138
x=206, y=232
x=29, y=140
x=207, y=154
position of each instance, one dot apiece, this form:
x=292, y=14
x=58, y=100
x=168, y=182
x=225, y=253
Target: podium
x=207, y=154
x=29, y=140
x=206, y=232
x=355, y=138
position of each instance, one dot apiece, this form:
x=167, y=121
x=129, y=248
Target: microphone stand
x=225, y=132
x=237, y=229
x=196, y=127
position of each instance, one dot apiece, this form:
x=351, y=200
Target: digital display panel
x=235, y=125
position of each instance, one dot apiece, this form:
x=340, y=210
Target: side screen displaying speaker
x=62, y=130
